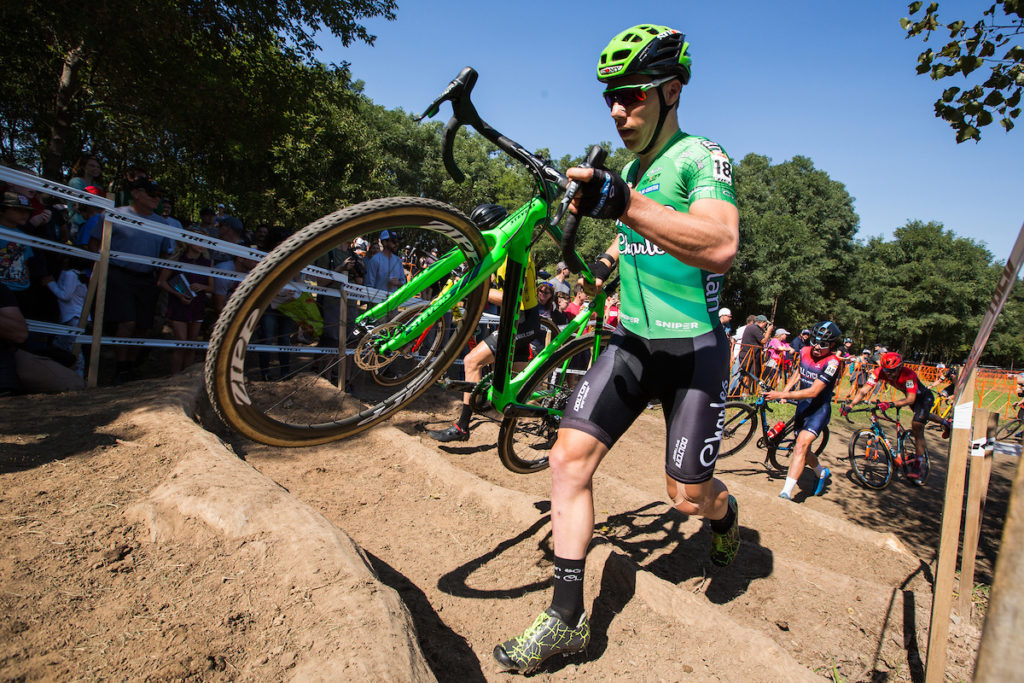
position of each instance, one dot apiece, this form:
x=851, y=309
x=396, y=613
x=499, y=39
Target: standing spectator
x=777, y=360
x=579, y=302
x=755, y=336
x=558, y=282
x=384, y=270
x=222, y=213
x=611, y=311
x=185, y=307
x=90, y=233
x=562, y=304
x=23, y=270
x=208, y=223
x=123, y=195
x=725, y=317
x=131, y=287
x=735, y=346
x=546, y=301
x=86, y=172
x=166, y=209
x=230, y=229
x=800, y=341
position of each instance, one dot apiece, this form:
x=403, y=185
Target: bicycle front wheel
x=870, y=459
x=525, y=440
x=779, y=455
x=292, y=391
x=737, y=427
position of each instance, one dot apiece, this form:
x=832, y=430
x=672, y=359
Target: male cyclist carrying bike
x=892, y=371
x=820, y=370
x=678, y=233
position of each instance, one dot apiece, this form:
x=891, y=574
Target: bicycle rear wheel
x=871, y=460
x=737, y=427
x=780, y=454
x=525, y=441
x=924, y=465
x=292, y=398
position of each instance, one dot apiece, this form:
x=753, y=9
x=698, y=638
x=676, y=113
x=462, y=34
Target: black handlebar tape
x=595, y=159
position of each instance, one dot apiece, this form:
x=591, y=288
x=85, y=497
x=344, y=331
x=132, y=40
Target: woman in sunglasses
x=678, y=234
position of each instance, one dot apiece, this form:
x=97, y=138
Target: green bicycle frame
x=510, y=240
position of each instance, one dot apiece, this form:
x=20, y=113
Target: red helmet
x=891, y=361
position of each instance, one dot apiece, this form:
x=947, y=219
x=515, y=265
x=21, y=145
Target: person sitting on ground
x=529, y=333
x=892, y=371
x=820, y=370
x=22, y=371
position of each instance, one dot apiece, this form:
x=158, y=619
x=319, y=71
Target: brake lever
x=595, y=159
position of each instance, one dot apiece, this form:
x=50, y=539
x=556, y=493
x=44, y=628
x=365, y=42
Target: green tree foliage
x=97, y=71
x=925, y=290
x=988, y=54
x=797, y=229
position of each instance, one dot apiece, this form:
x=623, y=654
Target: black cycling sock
x=722, y=525
x=567, y=599
x=463, y=422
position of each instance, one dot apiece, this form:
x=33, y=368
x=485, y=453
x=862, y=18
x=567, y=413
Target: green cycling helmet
x=646, y=49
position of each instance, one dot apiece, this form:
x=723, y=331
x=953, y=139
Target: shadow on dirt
x=32, y=438
x=447, y=653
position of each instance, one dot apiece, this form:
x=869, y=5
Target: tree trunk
x=60, y=128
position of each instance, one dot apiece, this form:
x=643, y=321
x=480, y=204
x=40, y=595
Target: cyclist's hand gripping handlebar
x=595, y=159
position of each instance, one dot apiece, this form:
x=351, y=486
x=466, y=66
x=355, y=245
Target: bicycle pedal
x=457, y=385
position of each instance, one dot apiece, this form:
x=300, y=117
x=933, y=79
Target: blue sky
x=831, y=81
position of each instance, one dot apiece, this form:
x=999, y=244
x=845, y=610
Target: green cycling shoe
x=548, y=636
x=725, y=545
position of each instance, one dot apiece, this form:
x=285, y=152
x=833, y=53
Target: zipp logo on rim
x=236, y=373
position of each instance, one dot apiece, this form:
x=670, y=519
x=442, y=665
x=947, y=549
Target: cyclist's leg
x=692, y=385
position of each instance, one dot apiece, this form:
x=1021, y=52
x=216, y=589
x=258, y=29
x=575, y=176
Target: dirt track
x=138, y=546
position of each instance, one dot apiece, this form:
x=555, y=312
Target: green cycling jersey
x=663, y=298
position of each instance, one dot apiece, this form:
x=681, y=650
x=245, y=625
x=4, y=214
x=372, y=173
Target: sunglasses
x=629, y=95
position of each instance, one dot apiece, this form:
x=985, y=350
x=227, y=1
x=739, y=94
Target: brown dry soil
x=139, y=545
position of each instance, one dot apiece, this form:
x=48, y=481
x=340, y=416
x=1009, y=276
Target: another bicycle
x=400, y=342
x=741, y=419
x=874, y=458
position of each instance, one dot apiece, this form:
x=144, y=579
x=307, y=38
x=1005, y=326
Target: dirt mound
x=137, y=545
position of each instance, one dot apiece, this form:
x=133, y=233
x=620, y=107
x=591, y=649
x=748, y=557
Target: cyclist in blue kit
x=820, y=370
x=678, y=234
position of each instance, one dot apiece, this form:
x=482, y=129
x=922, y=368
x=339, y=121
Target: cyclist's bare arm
x=799, y=395
x=861, y=394
x=706, y=236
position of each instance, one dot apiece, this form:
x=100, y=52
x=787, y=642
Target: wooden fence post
x=1001, y=657
x=949, y=540
x=981, y=468
x=100, y=273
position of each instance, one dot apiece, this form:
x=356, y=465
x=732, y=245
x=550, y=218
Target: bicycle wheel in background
x=909, y=449
x=870, y=459
x=779, y=455
x=293, y=398
x=737, y=427
x=524, y=441
x=1012, y=429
